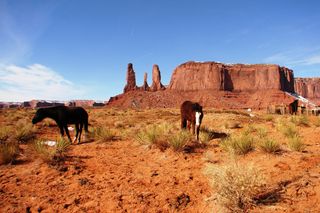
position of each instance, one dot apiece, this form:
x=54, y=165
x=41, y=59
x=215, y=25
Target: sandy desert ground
x=114, y=171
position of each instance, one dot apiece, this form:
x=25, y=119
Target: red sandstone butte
x=193, y=76
x=308, y=88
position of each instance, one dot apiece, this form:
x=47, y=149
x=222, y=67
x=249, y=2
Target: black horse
x=63, y=116
x=293, y=107
x=191, y=114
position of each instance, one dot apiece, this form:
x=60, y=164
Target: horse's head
x=199, y=115
x=39, y=116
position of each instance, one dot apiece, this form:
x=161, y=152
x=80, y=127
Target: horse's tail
x=86, y=124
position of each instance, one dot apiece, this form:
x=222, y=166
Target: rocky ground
x=121, y=175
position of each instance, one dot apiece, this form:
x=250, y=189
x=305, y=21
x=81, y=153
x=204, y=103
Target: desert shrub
x=9, y=151
x=235, y=185
x=238, y=144
x=4, y=134
x=103, y=134
x=269, y=145
x=154, y=135
x=24, y=131
x=179, y=140
x=295, y=143
x=54, y=152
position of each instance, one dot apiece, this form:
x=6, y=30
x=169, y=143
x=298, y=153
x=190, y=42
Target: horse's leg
x=80, y=131
x=188, y=124
x=67, y=132
x=61, y=129
x=77, y=132
x=193, y=126
x=183, y=123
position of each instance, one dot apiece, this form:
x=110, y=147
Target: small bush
x=238, y=144
x=24, y=132
x=269, y=146
x=236, y=185
x=179, y=140
x=9, y=151
x=232, y=125
x=4, y=134
x=295, y=143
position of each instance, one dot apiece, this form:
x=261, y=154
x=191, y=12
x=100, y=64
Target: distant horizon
x=67, y=49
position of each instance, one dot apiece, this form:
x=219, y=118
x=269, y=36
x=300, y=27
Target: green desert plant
x=289, y=130
x=235, y=185
x=295, y=143
x=9, y=151
x=238, y=144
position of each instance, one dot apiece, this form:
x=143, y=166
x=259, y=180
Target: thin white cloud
x=298, y=58
x=35, y=82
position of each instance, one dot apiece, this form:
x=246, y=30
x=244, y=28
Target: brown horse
x=63, y=116
x=191, y=114
x=293, y=107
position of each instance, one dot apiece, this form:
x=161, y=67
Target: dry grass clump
x=52, y=153
x=102, y=134
x=269, y=117
x=295, y=143
x=4, y=134
x=24, y=131
x=287, y=129
x=154, y=135
x=238, y=144
x=302, y=120
x=236, y=185
x=206, y=135
x=163, y=136
x=179, y=141
x=9, y=151
x=269, y=145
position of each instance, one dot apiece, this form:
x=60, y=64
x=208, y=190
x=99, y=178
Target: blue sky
x=79, y=49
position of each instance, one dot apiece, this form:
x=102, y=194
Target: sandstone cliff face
x=308, y=87
x=156, y=79
x=131, y=79
x=192, y=76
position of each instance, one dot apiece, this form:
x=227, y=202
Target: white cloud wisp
x=35, y=82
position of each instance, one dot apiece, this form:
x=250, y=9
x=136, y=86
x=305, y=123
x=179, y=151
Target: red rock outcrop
x=156, y=79
x=308, y=88
x=145, y=86
x=192, y=76
x=131, y=79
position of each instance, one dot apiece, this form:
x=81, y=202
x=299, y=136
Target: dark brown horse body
x=293, y=107
x=191, y=115
x=63, y=116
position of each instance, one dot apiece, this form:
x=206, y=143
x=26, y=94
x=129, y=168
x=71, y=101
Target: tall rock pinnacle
x=156, y=79
x=131, y=79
